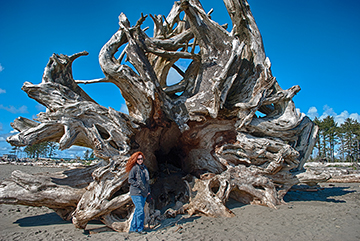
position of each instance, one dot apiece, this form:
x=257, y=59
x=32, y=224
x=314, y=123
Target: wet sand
x=332, y=213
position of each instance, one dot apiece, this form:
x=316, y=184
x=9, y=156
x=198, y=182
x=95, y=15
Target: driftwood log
x=226, y=130
x=334, y=173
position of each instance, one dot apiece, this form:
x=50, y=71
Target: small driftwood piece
x=227, y=129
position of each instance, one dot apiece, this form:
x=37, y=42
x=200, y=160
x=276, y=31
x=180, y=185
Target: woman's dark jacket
x=139, y=181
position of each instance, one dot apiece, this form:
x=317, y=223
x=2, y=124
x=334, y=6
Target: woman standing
x=139, y=189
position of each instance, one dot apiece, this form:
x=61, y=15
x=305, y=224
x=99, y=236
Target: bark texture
x=227, y=129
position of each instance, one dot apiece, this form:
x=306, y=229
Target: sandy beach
x=332, y=213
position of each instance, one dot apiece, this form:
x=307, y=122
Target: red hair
x=132, y=160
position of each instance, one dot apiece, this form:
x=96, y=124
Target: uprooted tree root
x=203, y=138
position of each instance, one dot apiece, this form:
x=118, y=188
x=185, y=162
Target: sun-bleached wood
x=227, y=129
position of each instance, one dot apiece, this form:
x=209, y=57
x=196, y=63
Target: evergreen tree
x=321, y=140
x=341, y=148
x=36, y=150
x=357, y=139
x=15, y=150
x=342, y=139
x=86, y=155
x=330, y=130
x=350, y=133
x=51, y=148
x=92, y=156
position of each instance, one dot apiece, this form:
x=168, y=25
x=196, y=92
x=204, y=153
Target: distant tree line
x=46, y=149
x=337, y=142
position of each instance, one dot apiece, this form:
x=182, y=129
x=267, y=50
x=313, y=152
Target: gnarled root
x=244, y=184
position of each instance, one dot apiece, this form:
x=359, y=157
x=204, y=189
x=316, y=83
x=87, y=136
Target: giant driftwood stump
x=203, y=138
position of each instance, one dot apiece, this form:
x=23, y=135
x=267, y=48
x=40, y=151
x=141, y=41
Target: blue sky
x=313, y=44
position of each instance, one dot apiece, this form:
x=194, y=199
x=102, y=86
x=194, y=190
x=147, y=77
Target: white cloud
x=4, y=148
x=12, y=109
x=4, y=136
x=76, y=149
x=312, y=112
x=2, y=91
x=342, y=117
x=124, y=109
x=327, y=111
x=355, y=116
x=1, y=68
x=72, y=152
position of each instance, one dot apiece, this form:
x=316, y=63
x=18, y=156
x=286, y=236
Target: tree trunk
x=203, y=138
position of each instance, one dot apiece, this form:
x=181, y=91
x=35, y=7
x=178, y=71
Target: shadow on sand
x=40, y=220
x=325, y=194
x=45, y=220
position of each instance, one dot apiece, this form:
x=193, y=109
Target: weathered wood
x=329, y=174
x=204, y=134
x=60, y=191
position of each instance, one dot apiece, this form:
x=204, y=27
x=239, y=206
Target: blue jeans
x=137, y=223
